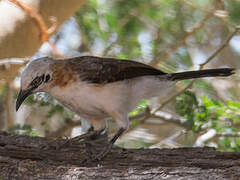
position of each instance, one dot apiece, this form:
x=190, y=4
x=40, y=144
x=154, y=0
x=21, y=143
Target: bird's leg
x=110, y=145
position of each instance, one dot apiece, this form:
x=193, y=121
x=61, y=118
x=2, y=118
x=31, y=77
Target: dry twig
x=45, y=32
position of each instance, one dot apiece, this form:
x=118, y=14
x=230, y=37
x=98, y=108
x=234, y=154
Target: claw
x=77, y=139
x=94, y=136
x=109, y=146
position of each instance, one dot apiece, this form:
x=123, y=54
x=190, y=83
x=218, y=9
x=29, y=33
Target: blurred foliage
x=23, y=130
x=140, y=108
x=233, y=7
x=43, y=99
x=206, y=113
x=186, y=106
x=124, y=26
x=39, y=100
x=2, y=90
x=145, y=29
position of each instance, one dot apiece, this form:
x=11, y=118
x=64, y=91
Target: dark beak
x=23, y=94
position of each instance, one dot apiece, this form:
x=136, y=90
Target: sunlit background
x=172, y=35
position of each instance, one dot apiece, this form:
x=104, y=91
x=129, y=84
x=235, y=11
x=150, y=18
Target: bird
x=97, y=88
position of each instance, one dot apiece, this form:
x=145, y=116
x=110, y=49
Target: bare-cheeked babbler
x=98, y=88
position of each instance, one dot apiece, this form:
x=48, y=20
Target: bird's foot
x=76, y=139
x=92, y=137
x=103, y=153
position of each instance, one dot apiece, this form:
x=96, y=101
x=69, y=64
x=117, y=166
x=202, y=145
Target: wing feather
x=107, y=70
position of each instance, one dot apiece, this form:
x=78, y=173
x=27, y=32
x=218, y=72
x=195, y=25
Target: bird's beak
x=23, y=94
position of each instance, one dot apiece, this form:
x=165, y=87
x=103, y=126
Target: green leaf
x=234, y=104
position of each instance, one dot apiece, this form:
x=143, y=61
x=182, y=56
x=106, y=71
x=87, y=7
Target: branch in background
x=197, y=27
x=8, y=62
x=140, y=117
x=201, y=140
x=233, y=135
x=9, y=69
x=169, y=141
x=237, y=28
x=167, y=117
x=84, y=43
x=163, y=104
x=163, y=116
x=18, y=30
x=156, y=41
x=32, y=12
x=222, y=14
x=109, y=47
x=212, y=134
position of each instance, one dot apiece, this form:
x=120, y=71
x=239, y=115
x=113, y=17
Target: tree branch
x=233, y=135
x=18, y=30
x=24, y=157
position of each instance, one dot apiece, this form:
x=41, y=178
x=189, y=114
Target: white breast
x=80, y=98
x=96, y=101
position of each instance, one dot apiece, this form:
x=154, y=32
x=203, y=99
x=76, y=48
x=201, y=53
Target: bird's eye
x=47, y=78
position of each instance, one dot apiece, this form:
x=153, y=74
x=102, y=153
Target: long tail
x=201, y=73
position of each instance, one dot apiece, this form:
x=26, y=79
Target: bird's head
x=35, y=78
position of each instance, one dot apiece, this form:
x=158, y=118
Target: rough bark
x=24, y=157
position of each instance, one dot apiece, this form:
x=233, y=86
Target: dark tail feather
x=201, y=73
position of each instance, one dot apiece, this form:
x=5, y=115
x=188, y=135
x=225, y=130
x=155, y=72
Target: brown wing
x=107, y=70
